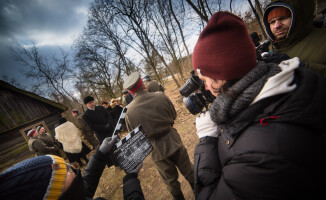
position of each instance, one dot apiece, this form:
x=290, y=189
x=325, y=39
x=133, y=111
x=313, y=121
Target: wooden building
x=21, y=111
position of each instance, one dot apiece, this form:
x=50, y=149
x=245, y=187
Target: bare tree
x=96, y=67
x=52, y=75
x=134, y=14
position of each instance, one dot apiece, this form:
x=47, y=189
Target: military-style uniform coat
x=156, y=113
x=38, y=146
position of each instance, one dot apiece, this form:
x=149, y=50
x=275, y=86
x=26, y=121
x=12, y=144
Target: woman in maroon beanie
x=262, y=136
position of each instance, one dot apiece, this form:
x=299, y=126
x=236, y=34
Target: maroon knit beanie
x=224, y=50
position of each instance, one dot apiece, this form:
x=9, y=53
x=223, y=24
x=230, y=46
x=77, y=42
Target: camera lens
x=195, y=103
x=191, y=85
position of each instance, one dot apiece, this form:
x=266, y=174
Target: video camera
x=195, y=101
x=262, y=49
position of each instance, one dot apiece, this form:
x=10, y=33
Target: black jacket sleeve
x=207, y=166
x=131, y=187
x=93, y=172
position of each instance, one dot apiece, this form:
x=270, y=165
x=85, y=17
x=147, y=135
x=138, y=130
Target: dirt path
x=110, y=186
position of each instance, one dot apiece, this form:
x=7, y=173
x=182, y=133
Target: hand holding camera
x=205, y=126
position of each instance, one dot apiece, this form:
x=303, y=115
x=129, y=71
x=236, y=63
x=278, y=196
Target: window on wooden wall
x=34, y=126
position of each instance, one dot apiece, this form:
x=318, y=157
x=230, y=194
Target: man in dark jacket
x=49, y=177
x=98, y=119
x=289, y=26
x=156, y=113
x=262, y=137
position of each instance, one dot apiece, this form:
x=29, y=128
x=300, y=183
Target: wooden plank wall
x=17, y=109
x=13, y=146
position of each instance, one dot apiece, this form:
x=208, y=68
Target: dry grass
x=110, y=185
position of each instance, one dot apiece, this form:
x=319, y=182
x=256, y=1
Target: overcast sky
x=48, y=23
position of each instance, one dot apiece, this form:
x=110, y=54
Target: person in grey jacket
x=262, y=136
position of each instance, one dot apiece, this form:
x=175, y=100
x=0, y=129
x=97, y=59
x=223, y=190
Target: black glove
x=275, y=57
x=107, y=126
x=108, y=144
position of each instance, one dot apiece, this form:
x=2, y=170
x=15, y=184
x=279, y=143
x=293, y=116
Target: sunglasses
x=70, y=168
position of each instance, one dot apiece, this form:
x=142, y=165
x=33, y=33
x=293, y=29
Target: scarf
x=227, y=105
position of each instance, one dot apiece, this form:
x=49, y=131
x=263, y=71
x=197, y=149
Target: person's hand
x=205, y=126
x=137, y=168
x=108, y=144
x=276, y=57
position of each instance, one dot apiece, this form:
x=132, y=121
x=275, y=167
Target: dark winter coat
x=100, y=121
x=273, y=149
x=303, y=41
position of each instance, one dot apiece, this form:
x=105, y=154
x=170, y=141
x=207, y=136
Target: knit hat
x=31, y=132
x=224, y=50
x=88, y=99
x=278, y=12
x=41, y=177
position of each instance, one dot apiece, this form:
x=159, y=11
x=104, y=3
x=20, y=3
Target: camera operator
x=262, y=137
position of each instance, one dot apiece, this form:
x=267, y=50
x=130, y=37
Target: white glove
x=205, y=126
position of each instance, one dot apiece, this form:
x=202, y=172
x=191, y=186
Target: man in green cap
x=156, y=113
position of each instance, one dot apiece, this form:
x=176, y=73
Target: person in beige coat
x=156, y=113
x=70, y=137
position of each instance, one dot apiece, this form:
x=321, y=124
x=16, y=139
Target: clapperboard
x=133, y=148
